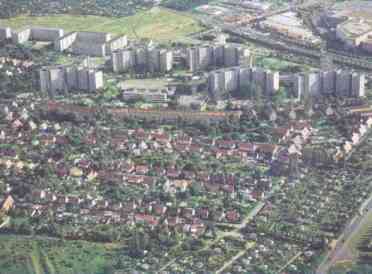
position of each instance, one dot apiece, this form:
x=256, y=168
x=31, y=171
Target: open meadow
x=157, y=23
x=44, y=256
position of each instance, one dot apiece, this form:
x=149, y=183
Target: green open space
x=157, y=24
x=24, y=255
x=145, y=83
x=279, y=64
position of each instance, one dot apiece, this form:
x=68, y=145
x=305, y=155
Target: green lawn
x=157, y=24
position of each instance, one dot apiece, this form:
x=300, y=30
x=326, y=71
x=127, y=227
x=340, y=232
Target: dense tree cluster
x=9, y=8
x=183, y=4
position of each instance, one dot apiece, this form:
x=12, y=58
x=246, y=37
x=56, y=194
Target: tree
x=195, y=189
x=139, y=243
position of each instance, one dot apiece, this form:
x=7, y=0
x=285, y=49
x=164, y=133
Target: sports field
x=158, y=24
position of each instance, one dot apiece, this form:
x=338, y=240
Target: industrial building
x=238, y=78
x=289, y=25
x=90, y=43
x=142, y=60
x=63, y=79
x=204, y=57
x=329, y=83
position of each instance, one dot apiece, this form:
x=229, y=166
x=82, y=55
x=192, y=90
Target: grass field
x=278, y=64
x=20, y=255
x=146, y=83
x=157, y=24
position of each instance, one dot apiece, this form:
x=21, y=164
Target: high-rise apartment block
x=57, y=79
x=5, y=33
x=142, y=60
x=201, y=58
x=243, y=78
x=90, y=43
x=331, y=83
x=36, y=34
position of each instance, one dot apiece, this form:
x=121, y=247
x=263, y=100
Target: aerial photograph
x=186, y=136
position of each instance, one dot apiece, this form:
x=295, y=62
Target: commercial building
x=329, y=83
x=148, y=95
x=243, y=78
x=354, y=32
x=90, y=43
x=57, y=79
x=352, y=22
x=142, y=60
x=204, y=57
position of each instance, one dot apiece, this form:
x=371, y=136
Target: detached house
x=266, y=151
x=8, y=204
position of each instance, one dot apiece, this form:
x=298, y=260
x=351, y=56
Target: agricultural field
x=157, y=23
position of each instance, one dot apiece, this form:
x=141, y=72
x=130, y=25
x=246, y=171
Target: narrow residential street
x=294, y=258
x=235, y=258
x=233, y=233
